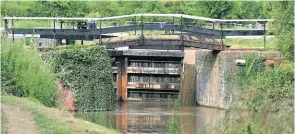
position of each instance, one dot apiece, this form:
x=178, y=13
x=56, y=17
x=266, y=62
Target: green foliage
x=25, y=75
x=16, y=8
x=65, y=8
x=248, y=9
x=88, y=74
x=215, y=9
x=245, y=74
x=267, y=93
x=271, y=84
x=283, y=27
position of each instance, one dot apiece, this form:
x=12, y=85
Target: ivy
x=87, y=72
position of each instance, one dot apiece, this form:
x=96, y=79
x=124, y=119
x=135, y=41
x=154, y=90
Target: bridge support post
x=121, y=121
x=122, y=79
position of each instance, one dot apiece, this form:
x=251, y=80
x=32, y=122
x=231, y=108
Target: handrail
x=144, y=15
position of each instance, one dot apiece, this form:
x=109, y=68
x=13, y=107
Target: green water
x=153, y=117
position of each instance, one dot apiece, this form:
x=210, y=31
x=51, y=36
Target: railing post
x=264, y=36
x=54, y=32
x=142, y=36
x=12, y=25
x=181, y=29
x=100, y=41
x=141, y=25
x=221, y=35
x=213, y=28
x=53, y=26
x=173, y=24
x=61, y=25
x=135, y=25
x=6, y=24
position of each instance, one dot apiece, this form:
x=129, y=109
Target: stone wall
x=212, y=68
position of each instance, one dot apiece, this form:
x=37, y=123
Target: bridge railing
x=174, y=18
x=175, y=22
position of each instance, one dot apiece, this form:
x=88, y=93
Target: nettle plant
x=87, y=72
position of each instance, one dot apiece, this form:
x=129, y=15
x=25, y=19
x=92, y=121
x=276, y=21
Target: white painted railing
x=143, y=15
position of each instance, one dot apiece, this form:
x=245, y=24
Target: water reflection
x=153, y=117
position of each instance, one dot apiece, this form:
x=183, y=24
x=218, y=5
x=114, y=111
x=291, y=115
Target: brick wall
x=67, y=96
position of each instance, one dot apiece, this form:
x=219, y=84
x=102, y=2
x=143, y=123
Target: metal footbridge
x=184, y=29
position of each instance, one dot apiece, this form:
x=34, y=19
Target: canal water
x=154, y=117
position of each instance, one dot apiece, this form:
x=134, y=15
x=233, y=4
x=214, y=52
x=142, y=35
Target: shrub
x=267, y=94
x=25, y=75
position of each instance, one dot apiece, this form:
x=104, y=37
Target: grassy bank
x=52, y=120
x=251, y=43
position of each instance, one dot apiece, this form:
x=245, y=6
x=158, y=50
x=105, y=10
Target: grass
x=4, y=123
x=251, y=43
x=53, y=120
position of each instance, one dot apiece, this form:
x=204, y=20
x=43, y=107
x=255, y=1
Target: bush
x=87, y=72
x=25, y=75
x=267, y=94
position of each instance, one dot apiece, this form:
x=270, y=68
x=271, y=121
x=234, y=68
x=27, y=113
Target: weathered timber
x=156, y=86
x=157, y=47
x=163, y=40
x=114, y=70
x=153, y=53
x=154, y=92
x=153, y=70
x=75, y=37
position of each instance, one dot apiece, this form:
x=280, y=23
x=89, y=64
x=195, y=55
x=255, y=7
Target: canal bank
x=53, y=120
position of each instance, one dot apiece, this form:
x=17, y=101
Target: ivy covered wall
x=87, y=72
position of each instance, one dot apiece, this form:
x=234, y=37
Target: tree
x=215, y=9
x=16, y=8
x=283, y=27
x=247, y=10
x=65, y=9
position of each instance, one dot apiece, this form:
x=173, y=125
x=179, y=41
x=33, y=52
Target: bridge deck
x=67, y=33
x=162, y=40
